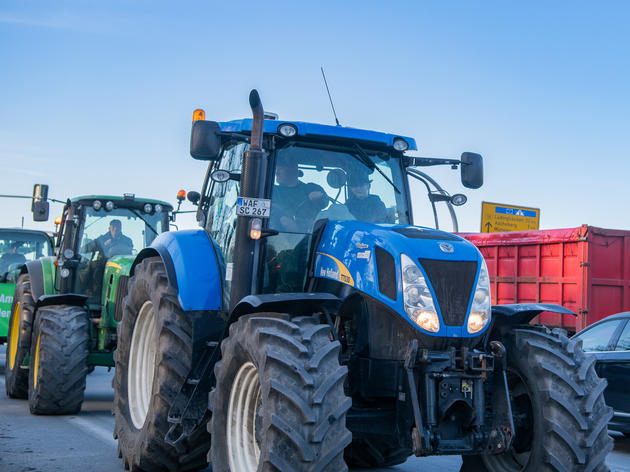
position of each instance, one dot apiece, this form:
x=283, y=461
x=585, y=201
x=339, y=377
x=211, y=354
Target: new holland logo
x=447, y=248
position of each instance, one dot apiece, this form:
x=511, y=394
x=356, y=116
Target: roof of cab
x=119, y=198
x=314, y=129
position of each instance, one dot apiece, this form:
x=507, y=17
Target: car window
x=598, y=337
x=624, y=340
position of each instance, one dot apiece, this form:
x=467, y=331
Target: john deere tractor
x=66, y=307
x=312, y=324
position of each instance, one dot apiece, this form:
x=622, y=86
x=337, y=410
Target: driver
x=363, y=205
x=11, y=257
x=295, y=203
x=114, y=242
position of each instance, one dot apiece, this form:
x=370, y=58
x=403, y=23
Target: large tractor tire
x=375, y=453
x=153, y=359
x=58, y=364
x=557, y=404
x=19, y=339
x=279, y=402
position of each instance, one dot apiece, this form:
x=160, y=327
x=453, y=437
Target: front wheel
x=557, y=405
x=19, y=339
x=58, y=366
x=279, y=402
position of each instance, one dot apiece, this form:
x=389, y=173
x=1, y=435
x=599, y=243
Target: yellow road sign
x=499, y=217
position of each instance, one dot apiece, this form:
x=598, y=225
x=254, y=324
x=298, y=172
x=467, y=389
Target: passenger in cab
x=363, y=205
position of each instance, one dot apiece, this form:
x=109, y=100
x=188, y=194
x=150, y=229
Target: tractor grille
x=386, y=269
x=121, y=293
x=452, y=282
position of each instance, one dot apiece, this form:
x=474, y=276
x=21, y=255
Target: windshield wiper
x=145, y=221
x=365, y=159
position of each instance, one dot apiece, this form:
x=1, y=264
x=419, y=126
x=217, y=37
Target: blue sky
x=96, y=97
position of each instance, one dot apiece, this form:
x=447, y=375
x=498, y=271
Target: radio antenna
x=329, y=97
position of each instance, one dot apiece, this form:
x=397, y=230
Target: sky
x=97, y=97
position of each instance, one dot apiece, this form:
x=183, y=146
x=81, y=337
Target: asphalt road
x=84, y=442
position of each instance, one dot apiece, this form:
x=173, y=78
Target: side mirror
x=194, y=197
x=40, y=206
x=205, y=140
x=472, y=170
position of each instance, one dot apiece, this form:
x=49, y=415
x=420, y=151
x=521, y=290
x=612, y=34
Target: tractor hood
x=368, y=257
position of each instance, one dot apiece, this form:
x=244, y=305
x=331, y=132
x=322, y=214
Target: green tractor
x=17, y=246
x=66, y=307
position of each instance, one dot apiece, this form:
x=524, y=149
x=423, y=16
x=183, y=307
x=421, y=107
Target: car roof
x=617, y=316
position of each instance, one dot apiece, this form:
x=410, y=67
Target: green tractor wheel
x=279, y=402
x=19, y=339
x=558, y=407
x=58, y=365
x=153, y=358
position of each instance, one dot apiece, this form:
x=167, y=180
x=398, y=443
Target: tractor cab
x=311, y=173
x=99, y=232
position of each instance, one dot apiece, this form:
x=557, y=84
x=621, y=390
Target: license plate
x=253, y=207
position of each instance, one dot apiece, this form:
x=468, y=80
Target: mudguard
x=42, y=275
x=523, y=313
x=304, y=304
x=193, y=267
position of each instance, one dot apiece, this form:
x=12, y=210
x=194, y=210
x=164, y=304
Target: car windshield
x=122, y=231
x=18, y=247
x=312, y=183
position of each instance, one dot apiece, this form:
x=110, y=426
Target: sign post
x=500, y=217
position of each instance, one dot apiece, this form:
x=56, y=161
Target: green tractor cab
x=66, y=306
x=17, y=246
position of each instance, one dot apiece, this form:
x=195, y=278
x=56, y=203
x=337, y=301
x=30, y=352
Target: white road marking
x=100, y=432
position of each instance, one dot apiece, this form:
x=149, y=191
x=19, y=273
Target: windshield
x=314, y=183
x=18, y=247
x=122, y=231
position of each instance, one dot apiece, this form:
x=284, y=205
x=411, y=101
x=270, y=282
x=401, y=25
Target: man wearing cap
x=11, y=257
x=295, y=203
x=113, y=242
x=363, y=205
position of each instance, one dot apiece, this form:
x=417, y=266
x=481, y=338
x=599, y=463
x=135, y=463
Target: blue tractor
x=311, y=325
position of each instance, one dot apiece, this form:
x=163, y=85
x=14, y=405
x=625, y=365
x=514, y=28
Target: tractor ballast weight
x=353, y=340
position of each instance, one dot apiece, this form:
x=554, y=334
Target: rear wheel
x=557, y=405
x=153, y=358
x=279, y=402
x=58, y=365
x=19, y=339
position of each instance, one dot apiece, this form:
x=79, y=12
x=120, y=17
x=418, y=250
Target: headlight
x=109, y=206
x=400, y=144
x=481, y=305
x=417, y=297
x=158, y=208
x=147, y=208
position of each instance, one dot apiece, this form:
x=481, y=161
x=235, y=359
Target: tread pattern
x=303, y=401
x=145, y=450
x=571, y=417
x=16, y=379
x=63, y=332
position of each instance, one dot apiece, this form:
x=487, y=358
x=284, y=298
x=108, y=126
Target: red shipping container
x=585, y=269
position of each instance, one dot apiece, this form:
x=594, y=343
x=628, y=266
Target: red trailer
x=585, y=269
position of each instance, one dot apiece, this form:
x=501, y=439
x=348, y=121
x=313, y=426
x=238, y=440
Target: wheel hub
x=244, y=420
x=142, y=354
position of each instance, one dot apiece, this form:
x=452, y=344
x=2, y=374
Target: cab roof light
x=199, y=114
x=268, y=115
x=400, y=144
x=287, y=130
x=181, y=195
x=58, y=220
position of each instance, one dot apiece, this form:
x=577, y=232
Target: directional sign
x=499, y=217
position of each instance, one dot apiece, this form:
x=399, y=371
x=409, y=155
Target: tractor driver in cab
x=11, y=257
x=114, y=243
x=295, y=203
x=363, y=205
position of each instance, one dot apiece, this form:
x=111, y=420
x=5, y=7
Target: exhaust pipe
x=258, y=121
x=253, y=175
